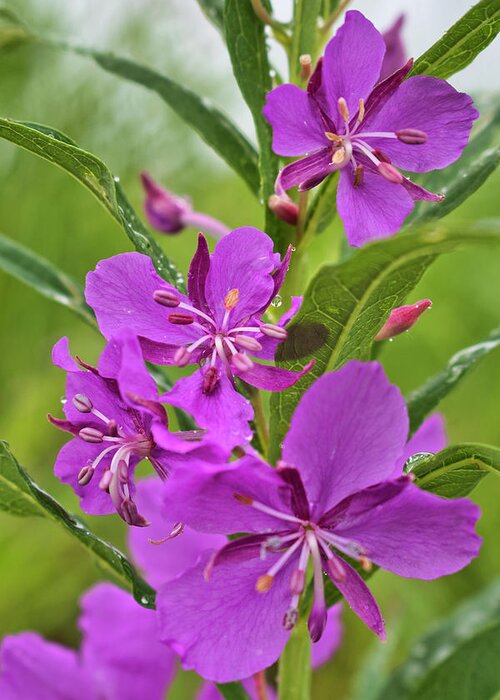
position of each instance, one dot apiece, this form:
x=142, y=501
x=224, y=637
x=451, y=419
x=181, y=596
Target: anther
x=361, y=113
x=82, y=403
x=390, y=173
x=297, y=581
x=105, y=480
x=338, y=156
x=182, y=356
x=264, y=583
x=231, y=299
x=166, y=298
x=342, y=107
x=358, y=175
x=412, y=136
x=91, y=435
x=210, y=379
x=85, y=475
x=305, y=66
x=181, y=319
x=131, y=515
x=242, y=362
x=337, y=140
x=273, y=331
x=336, y=570
x=246, y=500
x=247, y=342
x=366, y=564
x=290, y=618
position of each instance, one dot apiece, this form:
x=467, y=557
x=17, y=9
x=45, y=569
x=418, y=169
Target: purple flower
x=349, y=121
x=120, y=657
x=170, y=214
x=395, y=51
x=117, y=421
x=338, y=494
x=219, y=325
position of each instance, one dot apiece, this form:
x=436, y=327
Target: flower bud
x=284, y=208
x=402, y=319
x=164, y=211
x=166, y=298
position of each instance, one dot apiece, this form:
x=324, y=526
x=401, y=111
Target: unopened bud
x=273, y=331
x=390, y=173
x=231, y=299
x=180, y=319
x=166, y=298
x=284, y=208
x=182, y=356
x=82, y=403
x=210, y=379
x=85, y=475
x=91, y=435
x=412, y=136
x=164, y=211
x=305, y=66
x=242, y=362
x=402, y=319
x=247, y=342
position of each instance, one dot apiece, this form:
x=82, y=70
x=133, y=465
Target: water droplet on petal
x=416, y=459
x=277, y=301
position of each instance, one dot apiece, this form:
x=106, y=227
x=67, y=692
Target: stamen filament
x=273, y=512
x=377, y=135
x=197, y=312
x=198, y=342
x=280, y=563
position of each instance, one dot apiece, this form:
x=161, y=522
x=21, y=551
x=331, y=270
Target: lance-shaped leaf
x=423, y=400
x=246, y=42
x=40, y=274
x=457, y=659
x=19, y=495
x=322, y=209
x=462, y=42
x=94, y=175
x=452, y=473
x=214, y=10
x=345, y=305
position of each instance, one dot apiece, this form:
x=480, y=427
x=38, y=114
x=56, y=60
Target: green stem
x=294, y=676
x=330, y=21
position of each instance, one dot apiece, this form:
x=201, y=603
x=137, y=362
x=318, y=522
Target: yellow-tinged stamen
x=361, y=114
x=358, y=177
x=338, y=156
x=333, y=137
x=246, y=500
x=231, y=299
x=264, y=583
x=342, y=107
x=366, y=564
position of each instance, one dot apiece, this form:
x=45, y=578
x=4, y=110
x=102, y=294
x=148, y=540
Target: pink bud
x=402, y=319
x=390, y=173
x=273, y=331
x=164, y=211
x=166, y=298
x=82, y=403
x=412, y=136
x=285, y=209
x=180, y=319
x=91, y=435
x=242, y=362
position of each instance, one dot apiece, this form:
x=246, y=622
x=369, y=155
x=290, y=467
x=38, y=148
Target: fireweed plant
x=285, y=467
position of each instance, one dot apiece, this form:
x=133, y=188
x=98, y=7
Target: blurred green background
x=42, y=571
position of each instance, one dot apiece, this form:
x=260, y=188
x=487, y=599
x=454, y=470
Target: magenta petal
x=395, y=55
x=306, y=172
x=120, y=645
x=434, y=107
x=163, y=562
x=430, y=437
x=296, y=123
x=273, y=378
x=120, y=290
x=270, y=345
x=224, y=410
x=197, y=275
x=242, y=260
x=417, y=534
x=224, y=629
x=374, y=209
x=323, y=650
x=417, y=192
x=204, y=496
x=347, y=432
x=359, y=598
x=62, y=358
x=352, y=62
x=34, y=669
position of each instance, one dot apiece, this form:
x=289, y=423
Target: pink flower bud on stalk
x=402, y=319
x=285, y=209
x=168, y=213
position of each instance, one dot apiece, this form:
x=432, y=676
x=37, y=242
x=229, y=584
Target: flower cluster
x=238, y=548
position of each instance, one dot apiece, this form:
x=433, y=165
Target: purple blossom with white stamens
x=349, y=120
x=219, y=325
x=338, y=494
x=116, y=419
x=168, y=213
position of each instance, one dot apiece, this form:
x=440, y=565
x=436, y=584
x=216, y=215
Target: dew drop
x=145, y=600
x=277, y=301
x=116, y=178
x=416, y=459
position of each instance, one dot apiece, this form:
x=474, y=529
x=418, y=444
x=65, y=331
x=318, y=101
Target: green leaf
x=462, y=42
x=214, y=10
x=424, y=399
x=323, y=208
x=294, y=678
x=305, y=30
x=94, y=175
x=232, y=691
x=36, y=272
x=246, y=42
x=19, y=495
x=457, y=659
x=345, y=305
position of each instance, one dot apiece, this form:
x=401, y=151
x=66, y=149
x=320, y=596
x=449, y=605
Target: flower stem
x=330, y=21
x=261, y=685
x=295, y=665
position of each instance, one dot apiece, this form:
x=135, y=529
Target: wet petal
x=272, y=378
x=347, y=432
x=296, y=122
x=224, y=629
